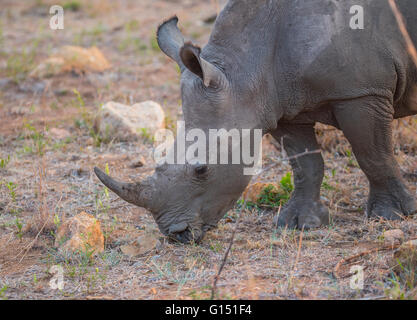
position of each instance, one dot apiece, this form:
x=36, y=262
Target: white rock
x=123, y=122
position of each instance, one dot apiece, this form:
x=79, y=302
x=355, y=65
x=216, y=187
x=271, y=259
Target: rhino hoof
x=303, y=214
x=390, y=207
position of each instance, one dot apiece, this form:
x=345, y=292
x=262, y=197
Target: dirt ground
x=45, y=175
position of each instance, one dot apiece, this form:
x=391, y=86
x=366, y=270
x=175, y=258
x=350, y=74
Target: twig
x=297, y=257
x=41, y=213
x=364, y=253
x=401, y=24
x=279, y=161
x=298, y=155
x=28, y=247
x=226, y=254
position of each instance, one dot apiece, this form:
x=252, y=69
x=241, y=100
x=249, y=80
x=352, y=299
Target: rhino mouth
x=182, y=232
x=187, y=236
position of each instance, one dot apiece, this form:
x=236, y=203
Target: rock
x=404, y=262
x=72, y=58
x=392, y=237
x=143, y=244
x=122, y=122
x=253, y=191
x=81, y=233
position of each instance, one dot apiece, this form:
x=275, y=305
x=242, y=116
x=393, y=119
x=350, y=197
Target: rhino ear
x=171, y=40
x=210, y=74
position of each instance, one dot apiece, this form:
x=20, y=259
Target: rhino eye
x=201, y=170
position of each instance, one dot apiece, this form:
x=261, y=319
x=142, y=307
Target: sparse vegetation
x=87, y=121
x=19, y=228
x=12, y=190
x=274, y=197
x=72, y=5
x=50, y=178
x=3, y=292
x=38, y=141
x=4, y=162
x=154, y=44
x=147, y=137
x=131, y=39
x=20, y=63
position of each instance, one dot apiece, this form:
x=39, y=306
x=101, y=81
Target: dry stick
x=364, y=253
x=28, y=247
x=401, y=24
x=226, y=254
x=298, y=155
x=279, y=161
x=31, y=244
x=297, y=257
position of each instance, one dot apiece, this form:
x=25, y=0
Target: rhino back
x=312, y=51
x=326, y=59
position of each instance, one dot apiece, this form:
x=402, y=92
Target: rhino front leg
x=367, y=124
x=304, y=209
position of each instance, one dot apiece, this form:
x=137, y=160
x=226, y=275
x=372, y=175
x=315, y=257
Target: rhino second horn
x=134, y=193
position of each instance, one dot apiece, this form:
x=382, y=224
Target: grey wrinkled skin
x=281, y=66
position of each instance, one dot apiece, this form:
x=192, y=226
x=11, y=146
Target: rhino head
x=188, y=199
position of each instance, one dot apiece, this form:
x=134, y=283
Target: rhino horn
x=139, y=194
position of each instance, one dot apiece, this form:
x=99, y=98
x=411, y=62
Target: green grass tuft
x=272, y=196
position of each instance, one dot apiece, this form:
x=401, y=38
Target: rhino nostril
x=183, y=236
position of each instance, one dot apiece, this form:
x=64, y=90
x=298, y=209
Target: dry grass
x=48, y=180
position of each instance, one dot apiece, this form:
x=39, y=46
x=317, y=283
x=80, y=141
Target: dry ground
x=51, y=177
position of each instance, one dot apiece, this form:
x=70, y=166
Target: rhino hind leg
x=367, y=124
x=304, y=209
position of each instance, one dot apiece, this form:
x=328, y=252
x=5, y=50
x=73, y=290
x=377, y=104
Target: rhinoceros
x=282, y=66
